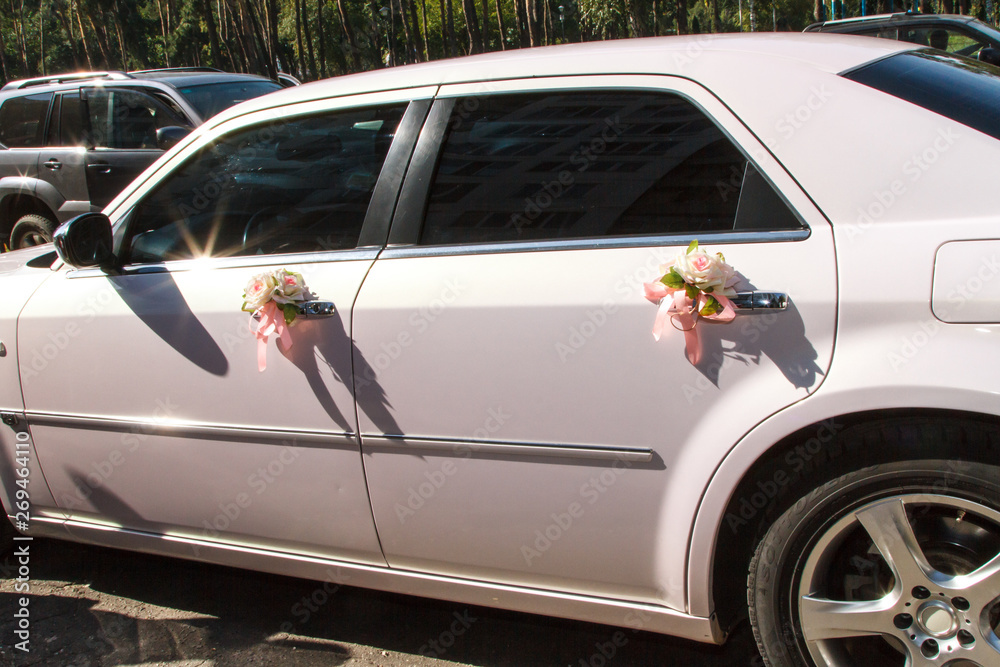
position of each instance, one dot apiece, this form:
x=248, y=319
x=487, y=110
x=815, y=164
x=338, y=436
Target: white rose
x=705, y=271
x=259, y=291
x=290, y=287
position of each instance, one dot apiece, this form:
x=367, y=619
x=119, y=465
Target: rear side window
x=965, y=90
x=528, y=167
x=22, y=121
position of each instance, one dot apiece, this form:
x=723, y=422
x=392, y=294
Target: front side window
x=126, y=119
x=22, y=121
x=590, y=164
x=297, y=185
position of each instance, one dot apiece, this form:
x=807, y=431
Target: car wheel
x=31, y=230
x=897, y=564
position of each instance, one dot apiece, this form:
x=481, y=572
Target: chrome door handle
x=53, y=164
x=316, y=309
x=751, y=301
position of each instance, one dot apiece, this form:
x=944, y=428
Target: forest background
x=314, y=39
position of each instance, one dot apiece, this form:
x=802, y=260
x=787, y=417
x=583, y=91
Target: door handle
x=747, y=302
x=315, y=310
x=100, y=167
x=53, y=164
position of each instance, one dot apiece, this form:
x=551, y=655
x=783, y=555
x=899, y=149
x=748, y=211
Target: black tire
x=866, y=570
x=31, y=230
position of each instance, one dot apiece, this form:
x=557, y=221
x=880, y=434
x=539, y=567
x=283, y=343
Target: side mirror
x=167, y=137
x=990, y=55
x=85, y=241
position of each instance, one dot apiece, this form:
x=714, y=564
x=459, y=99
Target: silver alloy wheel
x=940, y=606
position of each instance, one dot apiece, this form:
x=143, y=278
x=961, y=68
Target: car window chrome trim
x=216, y=263
x=292, y=437
x=462, y=447
x=395, y=252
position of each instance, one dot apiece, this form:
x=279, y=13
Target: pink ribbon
x=272, y=321
x=683, y=312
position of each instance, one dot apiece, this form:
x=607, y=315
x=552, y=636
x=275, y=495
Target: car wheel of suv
x=897, y=564
x=31, y=230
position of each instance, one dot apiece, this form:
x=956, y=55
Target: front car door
x=536, y=424
x=121, y=137
x=142, y=388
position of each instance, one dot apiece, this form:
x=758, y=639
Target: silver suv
x=70, y=143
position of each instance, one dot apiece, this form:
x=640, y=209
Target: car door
x=147, y=406
x=121, y=138
x=536, y=423
x=61, y=162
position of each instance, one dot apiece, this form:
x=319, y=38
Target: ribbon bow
x=684, y=313
x=272, y=321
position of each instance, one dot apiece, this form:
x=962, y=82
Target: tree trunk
x=681, y=12
x=418, y=37
x=298, y=39
x=534, y=23
x=501, y=27
x=64, y=16
x=450, y=15
x=400, y=10
x=427, y=33
x=213, y=35
x=271, y=7
x=345, y=22
x=486, y=25
x=83, y=36
x=949, y=6
x=309, y=40
x=472, y=26
x=322, y=39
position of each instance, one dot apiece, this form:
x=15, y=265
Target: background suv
x=962, y=35
x=70, y=143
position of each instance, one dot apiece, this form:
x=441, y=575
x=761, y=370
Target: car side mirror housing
x=167, y=137
x=85, y=241
x=990, y=55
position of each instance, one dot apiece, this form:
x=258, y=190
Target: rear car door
x=142, y=388
x=535, y=422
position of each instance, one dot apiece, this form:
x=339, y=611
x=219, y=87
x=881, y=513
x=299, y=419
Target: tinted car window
x=962, y=89
x=296, y=185
x=22, y=120
x=211, y=98
x=126, y=119
x=585, y=164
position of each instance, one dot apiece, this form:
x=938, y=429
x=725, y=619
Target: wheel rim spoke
x=835, y=619
x=981, y=586
x=890, y=530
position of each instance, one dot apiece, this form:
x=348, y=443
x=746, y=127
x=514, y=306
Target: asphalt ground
x=91, y=607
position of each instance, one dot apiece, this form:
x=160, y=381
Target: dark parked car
x=962, y=35
x=70, y=143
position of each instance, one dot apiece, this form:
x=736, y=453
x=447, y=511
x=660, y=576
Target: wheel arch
x=729, y=525
x=15, y=205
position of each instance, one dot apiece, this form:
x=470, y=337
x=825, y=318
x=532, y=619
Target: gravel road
x=93, y=607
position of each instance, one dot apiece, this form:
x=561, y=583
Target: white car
x=470, y=403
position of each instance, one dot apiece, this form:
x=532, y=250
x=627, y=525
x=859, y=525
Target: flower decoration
x=272, y=297
x=694, y=285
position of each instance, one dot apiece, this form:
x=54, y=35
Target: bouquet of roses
x=265, y=295
x=694, y=285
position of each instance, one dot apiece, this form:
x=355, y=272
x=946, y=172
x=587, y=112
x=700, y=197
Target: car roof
x=176, y=77
x=180, y=78
x=766, y=56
